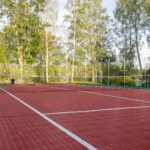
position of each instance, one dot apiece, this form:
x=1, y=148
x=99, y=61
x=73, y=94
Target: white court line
x=107, y=95
x=98, y=110
x=75, y=137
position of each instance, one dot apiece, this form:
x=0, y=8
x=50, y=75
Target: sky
x=110, y=6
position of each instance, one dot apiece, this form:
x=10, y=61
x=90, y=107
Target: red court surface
x=112, y=130
x=105, y=119
x=22, y=129
x=131, y=93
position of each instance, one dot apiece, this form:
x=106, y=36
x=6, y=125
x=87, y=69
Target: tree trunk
x=5, y=66
x=93, y=71
x=92, y=45
x=66, y=64
x=20, y=58
x=85, y=73
x=137, y=46
x=93, y=60
x=60, y=76
x=74, y=43
x=72, y=76
x=131, y=57
x=47, y=60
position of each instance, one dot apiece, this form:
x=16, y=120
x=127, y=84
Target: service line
x=107, y=95
x=97, y=110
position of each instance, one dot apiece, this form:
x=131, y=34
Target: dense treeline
x=91, y=38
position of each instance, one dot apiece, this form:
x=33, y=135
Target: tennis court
x=73, y=117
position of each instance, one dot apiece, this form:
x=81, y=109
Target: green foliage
x=148, y=71
x=126, y=43
x=23, y=30
x=88, y=27
x=1, y=54
x=52, y=73
x=132, y=16
x=120, y=81
x=146, y=6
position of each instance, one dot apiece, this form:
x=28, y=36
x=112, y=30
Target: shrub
x=120, y=81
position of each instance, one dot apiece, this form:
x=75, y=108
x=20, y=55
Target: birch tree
x=49, y=17
x=131, y=15
x=86, y=27
x=94, y=21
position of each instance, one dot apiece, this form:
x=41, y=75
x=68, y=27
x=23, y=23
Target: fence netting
x=103, y=74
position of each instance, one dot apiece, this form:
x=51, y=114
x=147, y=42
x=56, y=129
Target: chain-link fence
x=106, y=73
